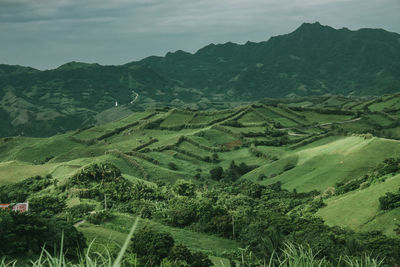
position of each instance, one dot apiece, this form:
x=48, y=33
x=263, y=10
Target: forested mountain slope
x=312, y=60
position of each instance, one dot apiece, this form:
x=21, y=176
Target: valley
x=303, y=159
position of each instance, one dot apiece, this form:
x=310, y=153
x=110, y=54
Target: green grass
x=176, y=118
x=323, y=165
x=380, y=120
x=313, y=117
x=116, y=229
x=359, y=209
x=252, y=117
x=391, y=103
x=317, y=165
x=15, y=171
x=216, y=137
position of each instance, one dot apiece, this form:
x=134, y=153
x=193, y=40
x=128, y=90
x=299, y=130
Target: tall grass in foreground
x=298, y=255
x=46, y=259
x=292, y=256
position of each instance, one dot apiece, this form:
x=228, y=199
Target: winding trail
x=83, y=221
x=136, y=97
x=79, y=223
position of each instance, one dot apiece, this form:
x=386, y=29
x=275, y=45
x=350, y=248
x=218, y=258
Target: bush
x=19, y=192
x=288, y=166
x=184, y=188
x=172, y=166
x=389, y=201
x=216, y=173
x=99, y=217
x=25, y=233
x=81, y=210
x=46, y=205
x=151, y=246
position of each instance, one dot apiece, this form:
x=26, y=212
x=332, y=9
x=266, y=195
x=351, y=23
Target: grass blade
x=117, y=262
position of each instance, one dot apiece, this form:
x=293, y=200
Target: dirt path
x=79, y=223
x=136, y=97
x=83, y=221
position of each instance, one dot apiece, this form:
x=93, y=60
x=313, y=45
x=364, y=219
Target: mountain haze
x=312, y=60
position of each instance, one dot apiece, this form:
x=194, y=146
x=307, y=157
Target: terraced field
x=303, y=148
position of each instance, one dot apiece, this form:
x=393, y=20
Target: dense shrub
x=47, y=205
x=81, y=210
x=24, y=234
x=216, y=173
x=181, y=211
x=20, y=191
x=99, y=217
x=389, y=201
x=172, y=166
x=151, y=246
x=184, y=188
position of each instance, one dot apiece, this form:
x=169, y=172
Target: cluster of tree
x=153, y=247
x=257, y=216
x=232, y=173
x=388, y=166
x=264, y=217
x=112, y=184
x=25, y=234
x=344, y=187
x=390, y=201
x=79, y=212
x=21, y=191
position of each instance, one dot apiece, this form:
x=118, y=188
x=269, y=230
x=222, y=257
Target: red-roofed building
x=21, y=207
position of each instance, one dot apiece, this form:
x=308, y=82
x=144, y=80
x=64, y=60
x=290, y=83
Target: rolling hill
x=312, y=60
x=305, y=158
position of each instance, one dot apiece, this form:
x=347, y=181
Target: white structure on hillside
x=116, y=103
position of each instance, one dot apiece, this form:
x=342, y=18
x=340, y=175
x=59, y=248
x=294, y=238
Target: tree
x=182, y=211
x=47, y=205
x=151, y=246
x=181, y=256
x=184, y=188
x=25, y=234
x=216, y=173
x=389, y=201
x=397, y=230
x=172, y=166
x=215, y=157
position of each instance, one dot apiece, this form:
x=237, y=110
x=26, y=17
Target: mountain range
x=312, y=60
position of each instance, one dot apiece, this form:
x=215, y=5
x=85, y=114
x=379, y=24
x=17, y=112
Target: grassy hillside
x=360, y=211
x=317, y=167
x=311, y=152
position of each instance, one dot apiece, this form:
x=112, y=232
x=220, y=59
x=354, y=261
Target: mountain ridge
x=312, y=60
x=322, y=48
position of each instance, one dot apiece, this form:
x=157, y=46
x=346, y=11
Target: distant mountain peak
x=307, y=26
x=76, y=65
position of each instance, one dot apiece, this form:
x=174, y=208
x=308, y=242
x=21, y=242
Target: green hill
x=218, y=181
x=312, y=60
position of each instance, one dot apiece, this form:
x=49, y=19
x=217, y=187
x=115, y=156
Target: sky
x=45, y=34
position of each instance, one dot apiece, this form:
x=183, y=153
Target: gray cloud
x=47, y=33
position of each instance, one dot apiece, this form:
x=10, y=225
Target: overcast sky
x=48, y=33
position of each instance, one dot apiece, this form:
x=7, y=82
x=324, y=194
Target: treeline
x=259, y=217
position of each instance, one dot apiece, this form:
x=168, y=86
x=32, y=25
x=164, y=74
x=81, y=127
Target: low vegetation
x=296, y=186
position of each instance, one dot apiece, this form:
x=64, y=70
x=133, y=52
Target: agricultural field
x=231, y=160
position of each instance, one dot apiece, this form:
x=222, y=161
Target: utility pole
x=233, y=227
x=105, y=202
